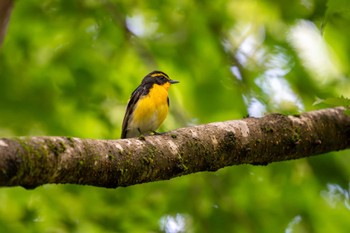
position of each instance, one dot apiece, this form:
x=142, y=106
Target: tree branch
x=5, y=11
x=34, y=161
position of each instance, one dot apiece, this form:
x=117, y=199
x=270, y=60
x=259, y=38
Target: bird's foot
x=157, y=133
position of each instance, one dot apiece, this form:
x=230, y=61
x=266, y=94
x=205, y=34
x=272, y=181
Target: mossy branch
x=34, y=161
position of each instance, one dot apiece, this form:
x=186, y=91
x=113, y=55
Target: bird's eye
x=163, y=79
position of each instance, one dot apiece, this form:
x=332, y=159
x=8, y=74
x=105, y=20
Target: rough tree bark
x=5, y=12
x=33, y=161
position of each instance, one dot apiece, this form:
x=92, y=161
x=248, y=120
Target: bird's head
x=160, y=78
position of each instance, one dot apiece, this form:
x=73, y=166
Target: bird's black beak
x=173, y=81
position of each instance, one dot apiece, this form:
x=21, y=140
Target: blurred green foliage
x=69, y=67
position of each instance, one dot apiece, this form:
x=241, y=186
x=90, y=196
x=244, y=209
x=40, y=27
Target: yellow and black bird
x=148, y=105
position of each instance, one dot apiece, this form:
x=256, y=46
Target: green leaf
x=334, y=101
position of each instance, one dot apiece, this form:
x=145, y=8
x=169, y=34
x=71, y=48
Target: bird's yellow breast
x=152, y=109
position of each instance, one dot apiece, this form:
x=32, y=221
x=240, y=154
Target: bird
x=148, y=105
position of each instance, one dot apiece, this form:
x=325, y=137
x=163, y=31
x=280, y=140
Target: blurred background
x=69, y=67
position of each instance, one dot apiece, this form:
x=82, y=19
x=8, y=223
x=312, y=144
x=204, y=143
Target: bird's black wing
x=135, y=96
